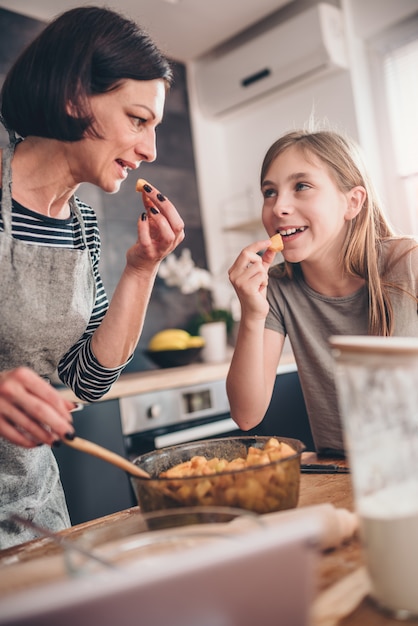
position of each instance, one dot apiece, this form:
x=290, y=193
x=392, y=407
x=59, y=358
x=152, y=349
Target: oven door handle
x=198, y=432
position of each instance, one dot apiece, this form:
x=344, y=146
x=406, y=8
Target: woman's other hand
x=32, y=412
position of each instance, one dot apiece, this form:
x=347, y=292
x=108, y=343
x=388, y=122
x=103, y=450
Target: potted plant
x=181, y=272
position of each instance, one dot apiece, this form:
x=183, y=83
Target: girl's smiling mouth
x=292, y=231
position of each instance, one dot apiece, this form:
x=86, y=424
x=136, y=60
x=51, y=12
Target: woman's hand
x=160, y=230
x=249, y=277
x=32, y=412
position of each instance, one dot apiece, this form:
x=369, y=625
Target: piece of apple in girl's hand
x=276, y=243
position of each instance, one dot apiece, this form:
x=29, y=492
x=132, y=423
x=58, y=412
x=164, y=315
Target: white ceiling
x=183, y=29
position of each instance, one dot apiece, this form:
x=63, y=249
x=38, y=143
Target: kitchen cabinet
x=286, y=415
x=92, y=487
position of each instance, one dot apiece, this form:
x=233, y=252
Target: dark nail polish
x=70, y=436
x=147, y=188
x=143, y=216
x=56, y=443
x=160, y=197
x=153, y=210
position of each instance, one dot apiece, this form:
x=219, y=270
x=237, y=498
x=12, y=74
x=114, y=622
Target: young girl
x=344, y=273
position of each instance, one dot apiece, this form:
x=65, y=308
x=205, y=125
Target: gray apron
x=47, y=296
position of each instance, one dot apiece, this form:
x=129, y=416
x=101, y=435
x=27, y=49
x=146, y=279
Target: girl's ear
x=355, y=200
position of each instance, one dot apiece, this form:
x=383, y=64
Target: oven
x=172, y=416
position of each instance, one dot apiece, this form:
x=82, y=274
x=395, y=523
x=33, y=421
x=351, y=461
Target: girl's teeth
x=291, y=231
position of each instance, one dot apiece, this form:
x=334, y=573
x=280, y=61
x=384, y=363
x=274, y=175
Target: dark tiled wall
x=173, y=173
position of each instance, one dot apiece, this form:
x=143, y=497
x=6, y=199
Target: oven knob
x=153, y=411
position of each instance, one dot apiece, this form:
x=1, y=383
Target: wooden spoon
x=83, y=445
x=106, y=455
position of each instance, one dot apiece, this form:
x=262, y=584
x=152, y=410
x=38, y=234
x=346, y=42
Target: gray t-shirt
x=310, y=318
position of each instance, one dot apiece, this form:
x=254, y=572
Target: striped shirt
x=78, y=369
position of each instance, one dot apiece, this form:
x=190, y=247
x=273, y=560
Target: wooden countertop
x=339, y=570
x=171, y=378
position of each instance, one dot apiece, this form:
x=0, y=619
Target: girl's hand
x=249, y=277
x=32, y=412
x=160, y=229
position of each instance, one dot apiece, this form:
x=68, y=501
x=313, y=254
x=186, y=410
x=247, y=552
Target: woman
x=85, y=99
x=344, y=273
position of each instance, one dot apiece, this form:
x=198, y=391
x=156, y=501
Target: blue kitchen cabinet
x=93, y=487
x=286, y=415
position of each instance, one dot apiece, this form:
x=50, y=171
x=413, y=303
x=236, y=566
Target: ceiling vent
x=306, y=46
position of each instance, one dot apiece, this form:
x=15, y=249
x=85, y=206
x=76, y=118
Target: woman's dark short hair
x=84, y=51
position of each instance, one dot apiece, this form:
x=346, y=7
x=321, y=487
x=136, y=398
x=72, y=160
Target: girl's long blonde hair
x=361, y=251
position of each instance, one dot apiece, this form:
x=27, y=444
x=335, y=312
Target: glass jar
x=377, y=386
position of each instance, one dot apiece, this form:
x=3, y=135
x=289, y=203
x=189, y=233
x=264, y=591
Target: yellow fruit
x=196, y=341
x=169, y=339
x=276, y=243
x=140, y=184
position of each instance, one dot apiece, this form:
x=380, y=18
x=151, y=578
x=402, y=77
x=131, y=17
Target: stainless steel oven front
x=171, y=416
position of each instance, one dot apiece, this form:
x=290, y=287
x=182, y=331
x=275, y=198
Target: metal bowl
x=273, y=486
